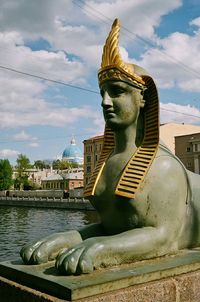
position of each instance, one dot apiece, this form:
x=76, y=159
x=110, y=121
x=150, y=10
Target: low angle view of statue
x=147, y=201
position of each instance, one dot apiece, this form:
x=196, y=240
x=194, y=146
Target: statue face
x=121, y=104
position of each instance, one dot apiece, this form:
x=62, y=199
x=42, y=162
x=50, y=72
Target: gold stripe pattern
x=138, y=166
x=108, y=146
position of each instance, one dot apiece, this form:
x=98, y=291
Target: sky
x=50, y=53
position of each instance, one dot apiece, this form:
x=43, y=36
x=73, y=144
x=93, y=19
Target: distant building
x=66, y=181
x=168, y=132
x=53, y=182
x=72, y=153
x=187, y=148
x=92, y=151
x=34, y=175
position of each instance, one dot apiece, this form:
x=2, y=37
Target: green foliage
x=5, y=174
x=23, y=163
x=63, y=165
x=40, y=164
x=21, y=181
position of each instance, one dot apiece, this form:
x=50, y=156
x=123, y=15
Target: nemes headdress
x=114, y=69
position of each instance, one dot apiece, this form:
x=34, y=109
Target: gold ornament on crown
x=112, y=66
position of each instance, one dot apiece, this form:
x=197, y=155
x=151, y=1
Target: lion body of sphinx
x=168, y=200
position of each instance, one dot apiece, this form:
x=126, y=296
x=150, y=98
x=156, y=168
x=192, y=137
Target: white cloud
x=171, y=112
x=23, y=136
x=139, y=17
x=34, y=19
x=45, y=114
x=34, y=145
x=8, y=153
x=195, y=22
x=68, y=28
x=176, y=63
x=77, y=28
x=20, y=100
x=49, y=64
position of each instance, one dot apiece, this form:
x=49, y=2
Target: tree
x=56, y=164
x=40, y=164
x=23, y=163
x=5, y=175
x=63, y=165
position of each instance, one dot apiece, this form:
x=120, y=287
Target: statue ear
x=144, y=97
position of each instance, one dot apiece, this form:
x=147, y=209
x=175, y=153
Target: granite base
x=167, y=279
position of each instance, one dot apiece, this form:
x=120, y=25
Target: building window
x=195, y=147
x=96, y=157
x=188, y=149
x=88, y=169
x=88, y=158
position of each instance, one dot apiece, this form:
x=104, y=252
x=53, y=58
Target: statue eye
x=115, y=91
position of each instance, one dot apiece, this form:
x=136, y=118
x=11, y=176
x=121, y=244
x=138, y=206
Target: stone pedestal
x=166, y=279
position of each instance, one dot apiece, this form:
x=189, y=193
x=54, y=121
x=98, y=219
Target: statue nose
x=106, y=100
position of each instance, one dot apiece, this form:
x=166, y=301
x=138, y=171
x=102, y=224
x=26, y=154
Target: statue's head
x=114, y=70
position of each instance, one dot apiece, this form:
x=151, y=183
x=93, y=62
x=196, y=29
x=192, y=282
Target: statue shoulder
x=166, y=178
x=167, y=162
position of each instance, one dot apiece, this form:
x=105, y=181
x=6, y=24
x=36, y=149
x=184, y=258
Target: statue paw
x=34, y=253
x=48, y=248
x=80, y=259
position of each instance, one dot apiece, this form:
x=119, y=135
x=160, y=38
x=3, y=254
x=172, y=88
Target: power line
x=174, y=111
x=148, y=42
x=47, y=79
x=29, y=140
x=73, y=86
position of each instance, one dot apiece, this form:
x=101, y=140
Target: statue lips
x=109, y=114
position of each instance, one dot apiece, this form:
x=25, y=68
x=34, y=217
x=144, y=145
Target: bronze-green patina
x=143, y=215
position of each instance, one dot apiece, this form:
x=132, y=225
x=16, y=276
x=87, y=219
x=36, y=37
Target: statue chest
x=125, y=213
x=110, y=175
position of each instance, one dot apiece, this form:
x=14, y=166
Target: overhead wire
x=47, y=79
x=146, y=41
x=42, y=139
x=74, y=86
x=87, y=89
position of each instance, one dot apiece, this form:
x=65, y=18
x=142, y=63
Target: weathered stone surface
x=167, y=279
x=184, y=288
x=11, y=291
x=188, y=287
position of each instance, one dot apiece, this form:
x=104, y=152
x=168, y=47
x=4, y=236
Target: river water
x=21, y=225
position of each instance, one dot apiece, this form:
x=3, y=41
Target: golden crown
x=112, y=66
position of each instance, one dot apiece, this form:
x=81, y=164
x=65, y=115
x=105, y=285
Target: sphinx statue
x=148, y=203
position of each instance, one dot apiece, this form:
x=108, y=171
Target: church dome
x=72, y=153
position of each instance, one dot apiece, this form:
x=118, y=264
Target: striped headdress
x=114, y=69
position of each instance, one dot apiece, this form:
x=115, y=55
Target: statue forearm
x=131, y=245
x=104, y=251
